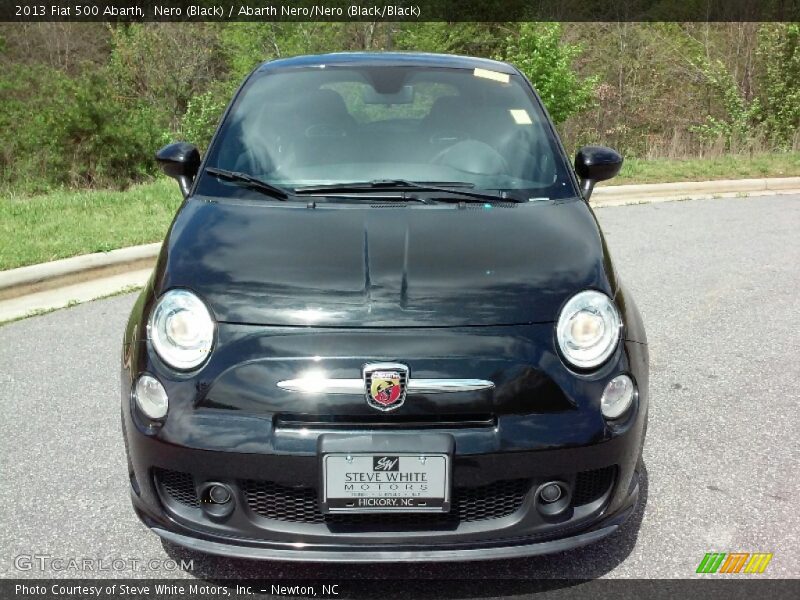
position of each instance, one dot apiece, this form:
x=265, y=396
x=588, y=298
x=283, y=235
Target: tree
x=165, y=64
x=473, y=39
x=779, y=51
x=537, y=50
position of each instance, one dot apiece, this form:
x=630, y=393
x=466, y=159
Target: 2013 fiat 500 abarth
x=384, y=325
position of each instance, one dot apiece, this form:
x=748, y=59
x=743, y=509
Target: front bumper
x=226, y=425
x=275, y=515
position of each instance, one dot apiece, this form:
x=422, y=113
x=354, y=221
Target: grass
x=65, y=223
x=706, y=169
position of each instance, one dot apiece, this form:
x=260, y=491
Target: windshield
x=339, y=125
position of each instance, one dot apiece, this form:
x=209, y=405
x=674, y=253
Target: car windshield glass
x=306, y=127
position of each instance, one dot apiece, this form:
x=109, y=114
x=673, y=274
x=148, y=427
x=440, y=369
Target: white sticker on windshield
x=493, y=75
x=520, y=116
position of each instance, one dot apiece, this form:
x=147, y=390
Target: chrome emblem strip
x=324, y=385
x=443, y=386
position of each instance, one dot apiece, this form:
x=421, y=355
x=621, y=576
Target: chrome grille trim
x=357, y=386
x=440, y=386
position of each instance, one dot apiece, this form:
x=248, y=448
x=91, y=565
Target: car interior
x=465, y=128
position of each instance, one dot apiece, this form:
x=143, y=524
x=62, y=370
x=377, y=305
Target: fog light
x=151, y=397
x=219, y=494
x=216, y=500
x=617, y=397
x=553, y=499
x=550, y=492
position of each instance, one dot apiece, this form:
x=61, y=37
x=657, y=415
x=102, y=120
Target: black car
x=384, y=325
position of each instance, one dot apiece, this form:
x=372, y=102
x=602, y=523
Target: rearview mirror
x=596, y=163
x=180, y=161
x=405, y=95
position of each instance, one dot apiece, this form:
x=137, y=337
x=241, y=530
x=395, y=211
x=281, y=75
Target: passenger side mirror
x=596, y=163
x=180, y=161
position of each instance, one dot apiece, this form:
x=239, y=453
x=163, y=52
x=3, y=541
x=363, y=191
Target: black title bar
x=136, y=11
x=741, y=588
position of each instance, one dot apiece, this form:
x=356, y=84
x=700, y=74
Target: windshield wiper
x=250, y=182
x=401, y=185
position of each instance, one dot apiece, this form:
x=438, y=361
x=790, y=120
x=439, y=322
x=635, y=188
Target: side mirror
x=596, y=163
x=180, y=161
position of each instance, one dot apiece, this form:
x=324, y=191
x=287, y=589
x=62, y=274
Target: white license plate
x=397, y=482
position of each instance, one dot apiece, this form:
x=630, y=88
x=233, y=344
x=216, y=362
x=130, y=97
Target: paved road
x=717, y=282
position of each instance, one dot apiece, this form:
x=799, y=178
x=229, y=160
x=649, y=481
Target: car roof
x=387, y=59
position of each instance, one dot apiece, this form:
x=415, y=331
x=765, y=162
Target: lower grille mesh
x=592, y=485
x=179, y=487
x=284, y=503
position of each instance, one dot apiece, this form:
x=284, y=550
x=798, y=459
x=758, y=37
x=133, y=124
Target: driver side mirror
x=180, y=161
x=596, y=163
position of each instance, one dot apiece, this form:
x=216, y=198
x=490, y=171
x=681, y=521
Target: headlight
x=151, y=396
x=588, y=329
x=181, y=329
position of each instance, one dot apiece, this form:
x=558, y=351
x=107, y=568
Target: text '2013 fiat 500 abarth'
x=384, y=325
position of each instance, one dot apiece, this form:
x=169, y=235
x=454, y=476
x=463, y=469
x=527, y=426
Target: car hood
x=339, y=265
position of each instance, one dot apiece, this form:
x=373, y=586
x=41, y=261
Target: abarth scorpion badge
x=385, y=385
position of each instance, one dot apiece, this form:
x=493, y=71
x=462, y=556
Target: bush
x=105, y=139
x=73, y=131
x=203, y=114
x=27, y=107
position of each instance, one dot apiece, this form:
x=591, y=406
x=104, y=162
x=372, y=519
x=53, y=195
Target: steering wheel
x=472, y=156
x=448, y=137
x=325, y=130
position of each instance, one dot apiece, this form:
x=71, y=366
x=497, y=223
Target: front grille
x=179, y=487
x=592, y=485
x=299, y=505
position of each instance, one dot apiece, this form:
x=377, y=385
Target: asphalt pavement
x=717, y=282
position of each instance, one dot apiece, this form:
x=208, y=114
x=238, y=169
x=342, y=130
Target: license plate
x=400, y=482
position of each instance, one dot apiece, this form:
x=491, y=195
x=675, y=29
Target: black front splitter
x=505, y=549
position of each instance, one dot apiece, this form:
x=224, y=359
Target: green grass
x=706, y=169
x=64, y=223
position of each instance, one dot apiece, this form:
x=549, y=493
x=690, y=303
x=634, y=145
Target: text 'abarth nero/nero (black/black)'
x=384, y=325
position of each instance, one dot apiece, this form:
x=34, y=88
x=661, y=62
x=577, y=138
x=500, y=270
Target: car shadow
x=474, y=579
